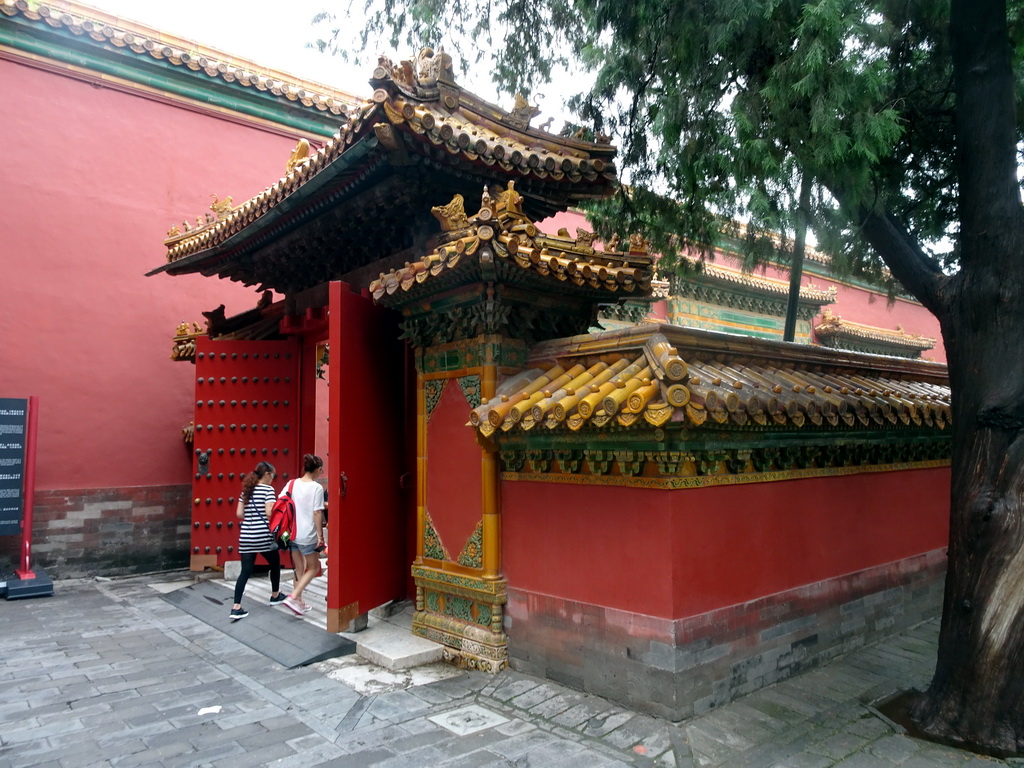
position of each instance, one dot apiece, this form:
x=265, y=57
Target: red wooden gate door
x=247, y=407
x=368, y=564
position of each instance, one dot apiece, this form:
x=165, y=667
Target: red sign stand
x=29, y=582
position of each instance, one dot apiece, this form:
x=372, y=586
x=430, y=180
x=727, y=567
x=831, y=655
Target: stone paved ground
x=107, y=673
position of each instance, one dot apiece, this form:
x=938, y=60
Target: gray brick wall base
x=678, y=668
x=107, y=532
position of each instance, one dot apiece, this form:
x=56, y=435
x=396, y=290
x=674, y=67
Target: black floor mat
x=274, y=631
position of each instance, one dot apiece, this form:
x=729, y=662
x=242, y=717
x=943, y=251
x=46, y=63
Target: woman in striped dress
x=254, y=505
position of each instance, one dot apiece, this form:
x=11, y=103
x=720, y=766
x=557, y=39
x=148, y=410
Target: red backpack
x=282, y=518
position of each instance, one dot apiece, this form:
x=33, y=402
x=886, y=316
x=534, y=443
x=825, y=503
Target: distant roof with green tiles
x=834, y=331
x=86, y=40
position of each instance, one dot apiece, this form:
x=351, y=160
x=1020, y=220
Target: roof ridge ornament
x=299, y=156
x=431, y=67
x=222, y=208
x=638, y=244
x=455, y=134
x=452, y=216
x=522, y=113
x=511, y=201
x=219, y=210
x=422, y=73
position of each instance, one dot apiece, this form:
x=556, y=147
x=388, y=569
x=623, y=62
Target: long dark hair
x=311, y=463
x=253, y=478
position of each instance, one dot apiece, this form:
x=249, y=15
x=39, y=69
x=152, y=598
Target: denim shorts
x=305, y=549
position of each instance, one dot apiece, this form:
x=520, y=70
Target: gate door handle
x=344, y=484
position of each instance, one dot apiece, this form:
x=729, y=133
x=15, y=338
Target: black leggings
x=273, y=558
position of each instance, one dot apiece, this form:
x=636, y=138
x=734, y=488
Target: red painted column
x=26, y=572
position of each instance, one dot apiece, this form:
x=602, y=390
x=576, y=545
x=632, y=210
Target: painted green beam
x=68, y=49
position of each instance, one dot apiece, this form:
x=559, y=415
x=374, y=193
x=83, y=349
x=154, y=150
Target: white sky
x=268, y=32
x=275, y=34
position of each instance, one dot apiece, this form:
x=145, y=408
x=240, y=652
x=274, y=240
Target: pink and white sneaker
x=294, y=605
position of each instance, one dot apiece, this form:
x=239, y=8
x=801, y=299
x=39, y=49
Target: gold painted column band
x=491, y=528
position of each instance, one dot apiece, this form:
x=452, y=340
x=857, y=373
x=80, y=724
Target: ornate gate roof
x=366, y=194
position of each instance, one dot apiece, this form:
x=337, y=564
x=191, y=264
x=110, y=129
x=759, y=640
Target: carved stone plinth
x=463, y=613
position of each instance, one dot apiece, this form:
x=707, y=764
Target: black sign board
x=13, y=434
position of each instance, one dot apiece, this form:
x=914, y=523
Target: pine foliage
x=721, y=106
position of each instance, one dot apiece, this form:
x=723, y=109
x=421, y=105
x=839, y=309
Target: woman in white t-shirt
x=308, y=496
x=254, y=504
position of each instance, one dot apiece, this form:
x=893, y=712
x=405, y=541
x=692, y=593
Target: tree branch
x=916, y=271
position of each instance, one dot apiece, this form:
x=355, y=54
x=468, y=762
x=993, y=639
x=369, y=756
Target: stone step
x=390, y=643
x=387, y=641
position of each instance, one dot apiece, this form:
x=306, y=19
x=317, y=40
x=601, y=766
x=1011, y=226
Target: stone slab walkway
x=107, y=673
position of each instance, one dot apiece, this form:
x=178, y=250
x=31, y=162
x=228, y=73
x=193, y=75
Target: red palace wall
x=93, y=178
x=620, y=591
x=852, y=303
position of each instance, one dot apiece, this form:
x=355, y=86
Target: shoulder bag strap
x=252, y=501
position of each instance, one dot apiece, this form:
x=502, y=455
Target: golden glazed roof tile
x=501, y=230
x=643, y=378
x=440, y=114
x=661, y=289
x=83, y=20
x=834, y=327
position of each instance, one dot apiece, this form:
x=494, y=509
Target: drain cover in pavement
x=467, y=720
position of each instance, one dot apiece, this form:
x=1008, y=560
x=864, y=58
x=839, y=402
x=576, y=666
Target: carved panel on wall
x=433, y=388
x=471, y=389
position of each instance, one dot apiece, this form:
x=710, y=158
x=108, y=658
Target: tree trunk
x=796, y=270
x=976, y=698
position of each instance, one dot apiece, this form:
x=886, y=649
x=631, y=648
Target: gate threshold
x=273, y=631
